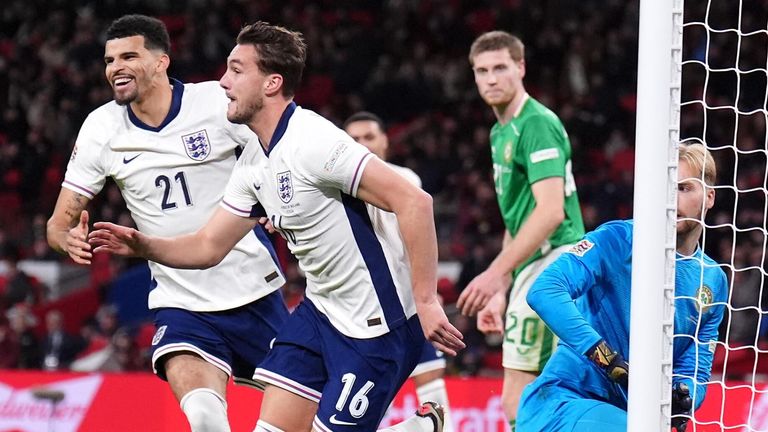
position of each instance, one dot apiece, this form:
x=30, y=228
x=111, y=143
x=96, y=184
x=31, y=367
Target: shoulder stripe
x=235, y=210
x=358, y=173
x=77, y=188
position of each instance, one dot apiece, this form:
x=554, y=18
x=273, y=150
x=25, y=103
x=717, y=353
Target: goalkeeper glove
x=681, y=404
x=611, y=362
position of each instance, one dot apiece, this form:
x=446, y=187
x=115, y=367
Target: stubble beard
x=689, y=228
x=125, y=99
x=247, y=113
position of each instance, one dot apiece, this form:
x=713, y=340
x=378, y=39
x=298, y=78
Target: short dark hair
x=496, y=40
x=280, y=51
x=364, y=116
x=154, y=31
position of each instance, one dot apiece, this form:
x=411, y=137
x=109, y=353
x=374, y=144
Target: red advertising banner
x=142, y=402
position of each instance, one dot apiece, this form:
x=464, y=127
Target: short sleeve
x=336, y=163
x=86, y=171
x=543, y=143
x=239, y=198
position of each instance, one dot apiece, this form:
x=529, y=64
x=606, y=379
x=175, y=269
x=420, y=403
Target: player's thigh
x=187, y=371
x=598, y=416
x=431, y=365
x=364, y=375
x=286, y=410
x=528, y=342
x=515, y=381
x=427, y=377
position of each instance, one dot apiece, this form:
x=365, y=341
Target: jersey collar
x=519, y=108
x=178, y=91
x=282, y=125
x=696, y=253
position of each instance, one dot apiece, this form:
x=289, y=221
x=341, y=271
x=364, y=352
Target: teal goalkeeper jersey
x=531, y=147
x=584, y=296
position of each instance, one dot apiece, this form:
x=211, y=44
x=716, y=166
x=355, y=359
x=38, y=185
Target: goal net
x=717, y=96
x=724, y=104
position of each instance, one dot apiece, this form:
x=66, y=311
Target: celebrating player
x=584, y=297
x=368, y=129
x=537, y=196
x=171, y=149
x=356, y=337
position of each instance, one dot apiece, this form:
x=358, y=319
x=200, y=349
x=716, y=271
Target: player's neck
x=505, y=113
x=154, y=106
x=265, y=122
x=688, y=243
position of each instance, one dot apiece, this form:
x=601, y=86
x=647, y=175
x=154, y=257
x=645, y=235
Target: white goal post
x=653, y=251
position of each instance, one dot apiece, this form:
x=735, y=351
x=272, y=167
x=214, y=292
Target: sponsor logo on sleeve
x=340, y=148
x=74, y=153
x=582, y=247
x=543, y=155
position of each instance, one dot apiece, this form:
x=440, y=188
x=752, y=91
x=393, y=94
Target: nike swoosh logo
x=341, y=422
x=127, y=160
x=258, y=187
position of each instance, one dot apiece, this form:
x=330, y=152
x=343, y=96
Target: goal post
x=653, y=250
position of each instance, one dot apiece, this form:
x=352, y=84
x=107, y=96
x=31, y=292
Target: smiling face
x=131, y=68
x=499, y=78
x=243, y=82
x=693, y=198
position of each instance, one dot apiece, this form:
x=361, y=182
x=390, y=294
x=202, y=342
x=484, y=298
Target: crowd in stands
x=405, y=60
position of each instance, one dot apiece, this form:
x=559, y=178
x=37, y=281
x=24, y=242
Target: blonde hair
x=496, y=40
x=700, y=159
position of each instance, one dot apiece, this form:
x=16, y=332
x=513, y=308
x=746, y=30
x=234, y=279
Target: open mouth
x=122, y=81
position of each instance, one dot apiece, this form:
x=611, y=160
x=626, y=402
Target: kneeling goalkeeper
x=584, y=297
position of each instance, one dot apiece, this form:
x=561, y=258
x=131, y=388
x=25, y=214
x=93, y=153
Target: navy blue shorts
x=234, y=340
x=353, y=380
x=431, y=359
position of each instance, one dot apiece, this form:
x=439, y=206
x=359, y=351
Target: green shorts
x=528, y=343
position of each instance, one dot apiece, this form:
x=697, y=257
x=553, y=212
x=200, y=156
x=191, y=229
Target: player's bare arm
x=67, y=229
x=202, y=249
x=543, y=221
x=386, y=189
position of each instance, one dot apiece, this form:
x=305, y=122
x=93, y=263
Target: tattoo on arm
x=74, y=207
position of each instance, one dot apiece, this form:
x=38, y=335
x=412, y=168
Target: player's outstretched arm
x=67, y=229
x=548, y=214
x=202, y=249
x=386, y=189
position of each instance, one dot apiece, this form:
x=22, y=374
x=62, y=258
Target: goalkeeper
x=584, y=297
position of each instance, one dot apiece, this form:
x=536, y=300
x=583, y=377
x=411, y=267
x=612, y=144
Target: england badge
x=284, y=186
x=197, y=145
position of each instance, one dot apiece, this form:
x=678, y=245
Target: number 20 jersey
x=172, y=178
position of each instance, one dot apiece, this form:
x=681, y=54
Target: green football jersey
x=533, y=146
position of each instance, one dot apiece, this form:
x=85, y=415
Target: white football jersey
x=307, y=184
x=172, y=178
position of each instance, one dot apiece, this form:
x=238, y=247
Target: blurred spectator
x=22, y=323
x=17, y=286
x=106, y=320
x=9, y=345
x=59, y=347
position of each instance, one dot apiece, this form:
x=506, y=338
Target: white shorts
x=528, y=343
